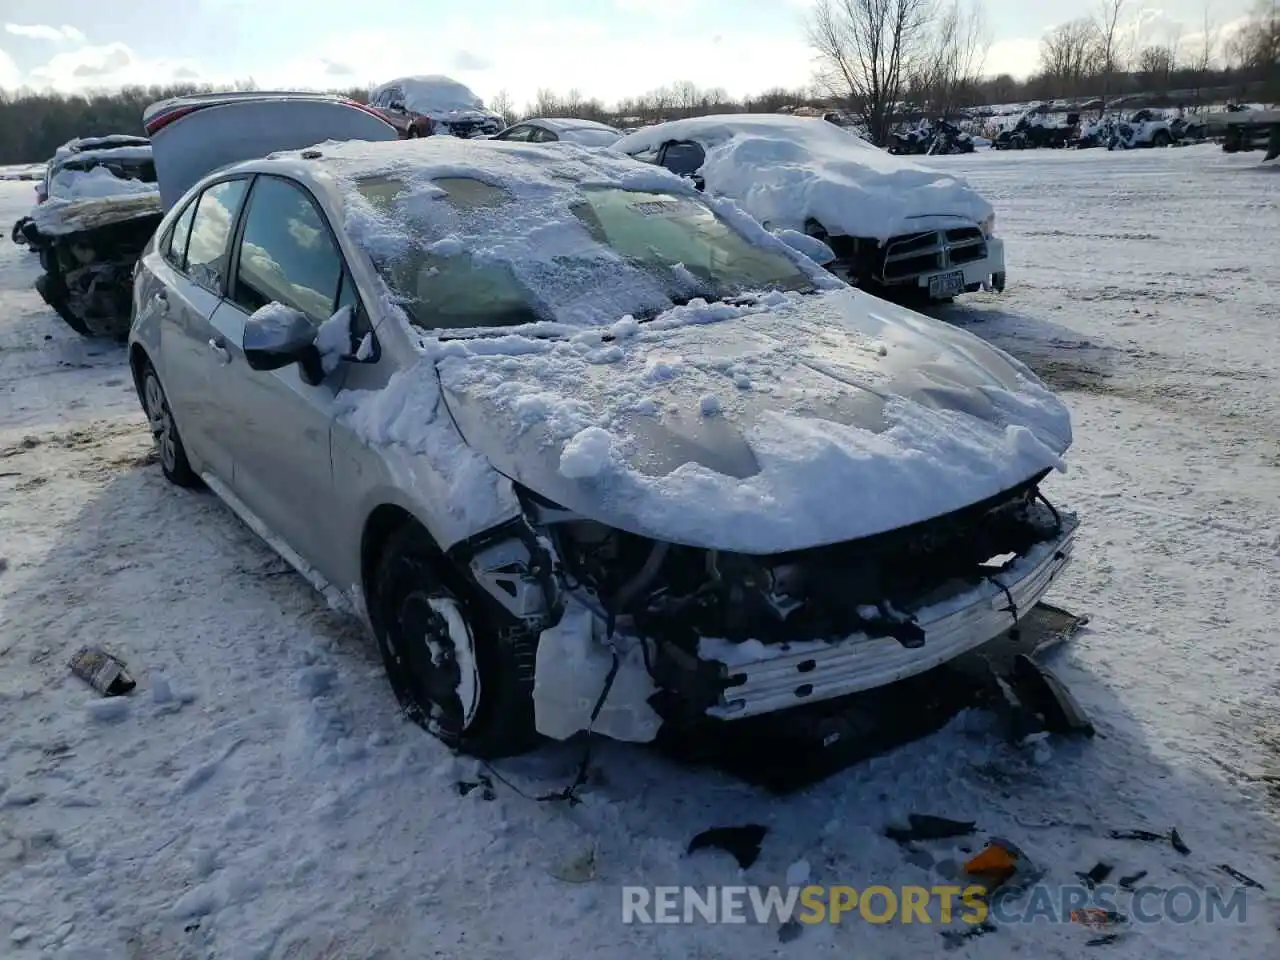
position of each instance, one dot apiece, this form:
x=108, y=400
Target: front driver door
x=286, y=253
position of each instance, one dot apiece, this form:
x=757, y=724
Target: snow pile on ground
x=749, y=427
x=787, y=170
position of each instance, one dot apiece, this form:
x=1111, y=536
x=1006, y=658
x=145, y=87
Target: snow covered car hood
x=58, y=217
x=797, y=421
x=785, y=171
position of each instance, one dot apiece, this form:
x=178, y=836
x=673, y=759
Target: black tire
x=1160, y=139
x=413, y=590
x=173, y=455
x=413, y=133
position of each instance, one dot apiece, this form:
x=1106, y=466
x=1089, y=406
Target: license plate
x=946, y=284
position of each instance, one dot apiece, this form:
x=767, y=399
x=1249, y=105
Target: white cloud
x=10, y=75
x=108, y=65
x=584, y=56
x=40, y=31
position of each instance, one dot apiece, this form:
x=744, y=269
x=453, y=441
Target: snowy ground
x=259, y=796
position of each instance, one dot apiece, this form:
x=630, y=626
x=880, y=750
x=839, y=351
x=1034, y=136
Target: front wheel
x=173, y=455
x=456, y=673
x=413, y=133
x=1160, y=139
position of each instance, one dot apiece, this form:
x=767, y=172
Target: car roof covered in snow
x=787, y=170
x=497, y=162
x=571, y=123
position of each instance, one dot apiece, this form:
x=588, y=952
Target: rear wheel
x=456, y=672
x=173, y=455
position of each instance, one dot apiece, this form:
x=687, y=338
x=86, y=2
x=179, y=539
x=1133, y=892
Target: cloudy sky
x=605, y=48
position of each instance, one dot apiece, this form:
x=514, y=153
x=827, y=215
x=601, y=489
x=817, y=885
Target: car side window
x=287, y=254
x=209, y=249
x=683, y=157
x=520, y=134
x=540, y=135
x=175, y=246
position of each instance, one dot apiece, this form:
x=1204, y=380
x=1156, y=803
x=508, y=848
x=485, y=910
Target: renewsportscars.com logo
x=942, y=904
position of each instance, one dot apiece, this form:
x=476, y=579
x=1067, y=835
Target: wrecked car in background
x=897, y=228
x=96, y=207
x=592, y=449
x=429, y=105
x=104, y=201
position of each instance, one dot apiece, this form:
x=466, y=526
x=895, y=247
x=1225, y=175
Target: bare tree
x=1206, y=45
x=1108, y=24
x=866, y=51
x=957, y=51
x=504, y=106
x=1155, y=67
x=1255, y=48
x=1068, y=55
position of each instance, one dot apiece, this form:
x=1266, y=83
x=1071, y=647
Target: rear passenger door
x=194, y=266
x=286, y=253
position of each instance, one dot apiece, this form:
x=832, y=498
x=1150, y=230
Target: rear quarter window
x=208, y=250
x=174, y=246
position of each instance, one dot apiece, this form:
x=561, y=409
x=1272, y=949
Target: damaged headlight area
x=704, y=619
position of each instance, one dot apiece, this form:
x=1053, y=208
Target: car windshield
x=481, y=257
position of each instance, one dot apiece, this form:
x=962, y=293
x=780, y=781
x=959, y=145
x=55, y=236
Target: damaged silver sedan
x=583, y=448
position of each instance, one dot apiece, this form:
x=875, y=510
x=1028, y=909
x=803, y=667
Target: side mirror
x=276, y=336
x=813, y=248
x=396, y=105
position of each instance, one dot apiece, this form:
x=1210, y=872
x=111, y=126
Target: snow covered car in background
x=897, y=228
x=589, y=133
x=567, y=434
x=99, y=218
x=1142, y=128
x=97, y=207
x=423, y=106
x=93, y=166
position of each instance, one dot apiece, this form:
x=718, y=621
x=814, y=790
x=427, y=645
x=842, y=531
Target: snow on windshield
x=787, y=170
x=502, y=234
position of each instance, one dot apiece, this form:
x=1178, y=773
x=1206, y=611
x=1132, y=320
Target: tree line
x=878, y=60
x=883, y=59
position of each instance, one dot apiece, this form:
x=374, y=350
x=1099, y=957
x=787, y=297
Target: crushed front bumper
x=761, y=679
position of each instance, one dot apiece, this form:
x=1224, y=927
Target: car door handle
x=219, y=348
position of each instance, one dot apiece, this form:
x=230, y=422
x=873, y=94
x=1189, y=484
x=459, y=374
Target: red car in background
x=428, y=105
